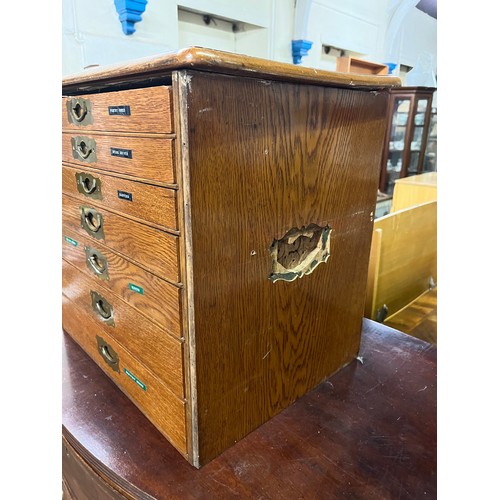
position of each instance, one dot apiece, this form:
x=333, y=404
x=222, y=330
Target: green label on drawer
x=135, y=379
x=136, y=288
x=71, y=241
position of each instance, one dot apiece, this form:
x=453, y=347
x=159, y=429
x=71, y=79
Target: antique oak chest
x=217, y=216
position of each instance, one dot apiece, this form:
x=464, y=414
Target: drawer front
x=165, y=410
x=155, y=250
x=146, y=110
x=138, y=288
x=149, y=203
x=145, y=340
x=143, y=158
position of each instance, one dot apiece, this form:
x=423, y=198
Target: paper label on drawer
x=136, y=288
x=71, y=241
x=119, y=110
x=122, y=153
x=135, y=379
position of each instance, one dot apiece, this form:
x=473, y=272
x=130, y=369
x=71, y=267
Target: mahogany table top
x=368, y=431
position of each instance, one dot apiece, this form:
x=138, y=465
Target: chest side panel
x=267, y=159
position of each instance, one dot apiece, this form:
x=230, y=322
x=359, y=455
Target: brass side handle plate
x=299, y=252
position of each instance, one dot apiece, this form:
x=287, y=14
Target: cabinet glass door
x=430, y=159
x=416, y=140
x=397, y=139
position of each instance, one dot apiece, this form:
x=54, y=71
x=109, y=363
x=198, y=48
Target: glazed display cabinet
x=406, y=136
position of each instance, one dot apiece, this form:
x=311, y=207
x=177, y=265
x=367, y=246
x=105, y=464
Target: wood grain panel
x=153, y=249
x=158, y=403
x=266, y=157
x=150, y=111
x=152, y=158
x=159, y=300
x=148, y=343
x=149, y=203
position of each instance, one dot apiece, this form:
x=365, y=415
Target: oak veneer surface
x=156, y=68
x=369, y=431
x=162, y=301
x=155, y=250
x=261, y=150
x=302, y=155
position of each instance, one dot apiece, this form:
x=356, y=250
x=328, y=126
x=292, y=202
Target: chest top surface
x=154, y=69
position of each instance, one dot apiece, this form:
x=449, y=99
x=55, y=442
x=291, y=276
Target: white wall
x=92, y=33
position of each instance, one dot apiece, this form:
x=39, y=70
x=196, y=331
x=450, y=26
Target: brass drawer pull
x=108, y=354
x=88, y=185
x=103, y=308
x=92, y=222
x=79, y=111
x=97, y=263
x=84, y=149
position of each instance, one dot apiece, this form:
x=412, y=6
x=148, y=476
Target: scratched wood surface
x=160, y=65
x=266, y=157
x=367, y=432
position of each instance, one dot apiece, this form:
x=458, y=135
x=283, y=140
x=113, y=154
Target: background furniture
x=369, y=431
x=403, y=260
x=358, y=66
x=414, y=190
x=406, y=136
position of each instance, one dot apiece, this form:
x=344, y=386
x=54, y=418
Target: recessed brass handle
x=88, y=185
x=84, y=149
x=103, y=308
x=79, y=111
x=92, y=222
x=97, y=263
x=108, y=354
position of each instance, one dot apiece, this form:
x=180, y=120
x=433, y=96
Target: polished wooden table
x=368, y=431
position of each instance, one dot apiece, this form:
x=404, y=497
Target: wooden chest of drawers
x=217, y=216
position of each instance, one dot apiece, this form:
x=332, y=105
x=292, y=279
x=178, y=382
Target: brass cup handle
x=78, y=110
x=103, y=308
x=97, y=264
x=93, y=220
x=89, y=184
x=108, y=354
x=83, y=149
